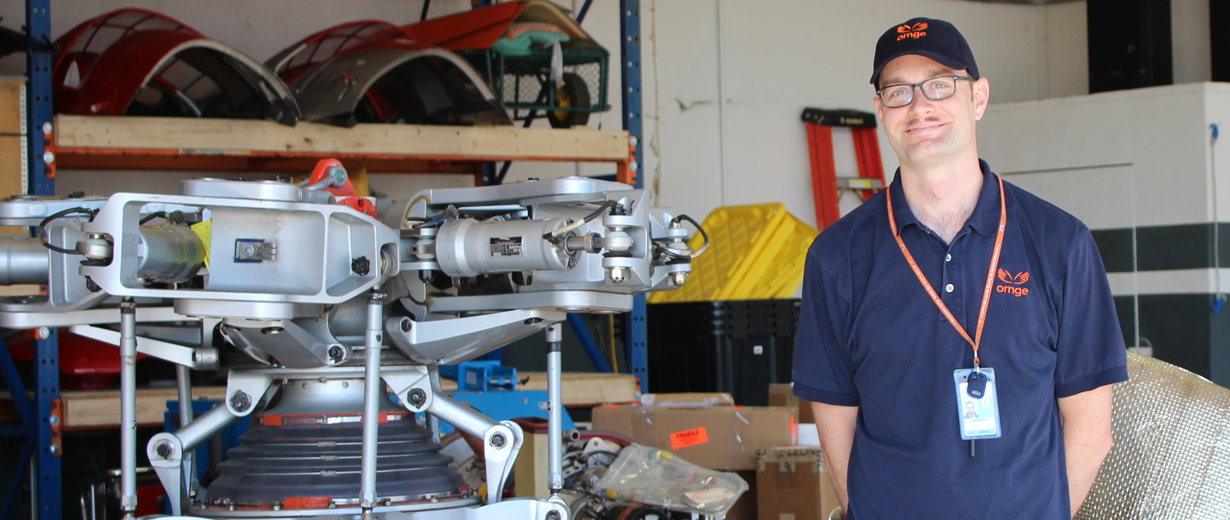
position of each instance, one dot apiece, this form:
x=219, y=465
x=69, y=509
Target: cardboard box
x=532, y=467
x=783, y=395
x=792, y=484
x=692, y=399
x=12, y=107
x=719, y=437
x=746, y=508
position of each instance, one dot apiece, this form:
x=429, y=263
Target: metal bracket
x=166, y=456
x=244, y=389
x=409, y=382
x=501, y=444
x=195, y=358
x=255, y=250
x=56, y=418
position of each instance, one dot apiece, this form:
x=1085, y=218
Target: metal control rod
x=433, y=422
x=555, y=411
x=371, y=403
x=202, y=428
x=128, y=407
x=183, y=378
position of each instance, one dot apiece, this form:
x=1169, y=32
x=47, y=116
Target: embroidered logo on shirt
x=1012, y=281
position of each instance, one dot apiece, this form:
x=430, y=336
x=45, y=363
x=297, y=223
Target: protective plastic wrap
x=656, y=477
x=716, y=437
x=1171, y=458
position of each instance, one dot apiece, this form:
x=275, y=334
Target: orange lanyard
x=986, y=293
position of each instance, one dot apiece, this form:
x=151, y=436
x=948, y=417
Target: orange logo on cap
x=1019, y=279
x=912, y=31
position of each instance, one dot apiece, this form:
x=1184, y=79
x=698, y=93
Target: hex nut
x=240, y=401
x=418, y=397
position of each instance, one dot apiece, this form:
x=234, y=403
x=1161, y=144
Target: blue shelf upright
x=630, y=43
x=47, y=498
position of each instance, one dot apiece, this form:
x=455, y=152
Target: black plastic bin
x=739, y=347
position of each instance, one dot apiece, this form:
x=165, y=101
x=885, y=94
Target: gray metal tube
x=128, y=406
x=183, y=379
x=555, y=411
x=201, y=429
x=433, y=422
x=22, y=260
x=371, y=402
x=173, y=254
x=459, y=415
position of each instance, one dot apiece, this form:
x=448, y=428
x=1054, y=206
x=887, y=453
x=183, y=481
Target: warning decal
x=689, y=438
x=506, y=246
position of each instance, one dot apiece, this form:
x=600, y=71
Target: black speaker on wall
x=1219, y=22
x=1129, y=44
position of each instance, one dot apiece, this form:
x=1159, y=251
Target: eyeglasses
x=935, y=89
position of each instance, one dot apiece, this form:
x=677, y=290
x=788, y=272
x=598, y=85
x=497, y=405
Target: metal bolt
x=43, y=333
x=497, y=440
x=54, y=420
x=552, y=515
x=249, y=250
x=361, y=266
x=272, y=330
x=240, y=401
x=47, y=128
x=634, y=166
x=406, y=324
x=632, y=140
x=617, y=274
x=418, y=397
x=54, y=449
x=163, y=449
x=336, y=352
x=49, y=157
x=679, y=277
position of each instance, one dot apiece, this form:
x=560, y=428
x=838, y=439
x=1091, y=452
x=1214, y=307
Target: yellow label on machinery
x=205, y=230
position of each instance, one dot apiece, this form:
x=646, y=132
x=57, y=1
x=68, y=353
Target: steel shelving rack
x=41, y=416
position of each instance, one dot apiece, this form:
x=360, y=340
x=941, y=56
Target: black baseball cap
x=935, y=39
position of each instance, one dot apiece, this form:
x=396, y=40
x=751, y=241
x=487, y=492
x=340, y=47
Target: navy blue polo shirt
x=869, y=336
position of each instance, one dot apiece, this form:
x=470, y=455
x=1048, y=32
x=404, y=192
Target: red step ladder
x=826, y=185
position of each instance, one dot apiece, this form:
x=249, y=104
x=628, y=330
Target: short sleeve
x=822, y=369
x=1090, y=347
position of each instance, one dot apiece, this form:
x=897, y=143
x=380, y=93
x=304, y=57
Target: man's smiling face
x=927, y=131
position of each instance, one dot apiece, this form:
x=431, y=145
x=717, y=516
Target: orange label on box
x=688, y=438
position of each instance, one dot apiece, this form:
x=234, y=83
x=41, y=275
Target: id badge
x=979, y=416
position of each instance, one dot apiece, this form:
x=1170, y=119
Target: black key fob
x=977, y=385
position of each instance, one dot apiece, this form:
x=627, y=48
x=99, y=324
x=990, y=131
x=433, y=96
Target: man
x=970, y=412
x=899, y=292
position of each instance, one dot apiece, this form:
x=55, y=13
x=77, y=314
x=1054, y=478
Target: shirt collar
x=984, y=219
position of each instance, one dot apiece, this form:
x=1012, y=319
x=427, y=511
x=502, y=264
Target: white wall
x=1116, y=159
x=771, y=59
x=1189, y=30
x=1123, y=159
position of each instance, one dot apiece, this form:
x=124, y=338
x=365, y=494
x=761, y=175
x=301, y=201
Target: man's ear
x=982, y=96
x=879, y=109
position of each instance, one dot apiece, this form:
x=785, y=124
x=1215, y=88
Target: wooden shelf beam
x=121, y=142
